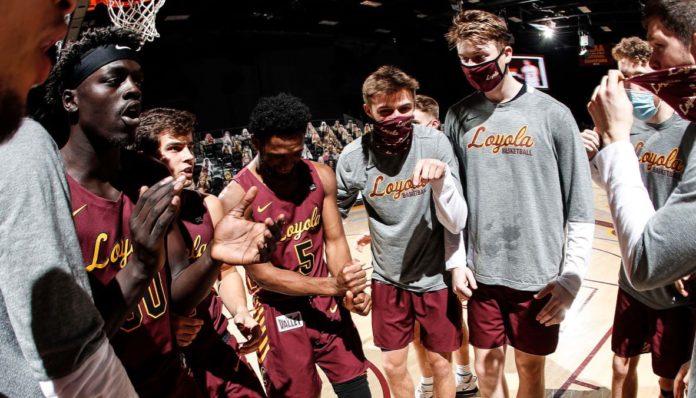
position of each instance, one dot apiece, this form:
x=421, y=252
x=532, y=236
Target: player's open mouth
x=131, y=114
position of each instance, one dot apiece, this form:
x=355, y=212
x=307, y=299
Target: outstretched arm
x=236, y=241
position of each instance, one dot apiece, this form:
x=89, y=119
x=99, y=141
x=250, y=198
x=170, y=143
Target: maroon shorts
x=302, y=333
x=665, y=334
x=500, y=315
x=220, y=370
x=395, y=310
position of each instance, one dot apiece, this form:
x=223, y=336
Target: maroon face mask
x=485, y=76
x=676, y=86
x=393, y=137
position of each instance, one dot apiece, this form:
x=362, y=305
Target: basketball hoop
x=136, y=15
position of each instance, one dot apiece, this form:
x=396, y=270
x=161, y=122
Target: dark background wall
x=222, y=81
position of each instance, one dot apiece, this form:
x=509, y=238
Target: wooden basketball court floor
x=581, y=366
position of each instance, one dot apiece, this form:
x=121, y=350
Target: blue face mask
x=643, y=104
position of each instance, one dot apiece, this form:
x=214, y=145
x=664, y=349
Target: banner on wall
x=600, y=54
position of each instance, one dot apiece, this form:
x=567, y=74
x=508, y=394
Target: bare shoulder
x=326, y=175
x=231, y=195
x=214, y=206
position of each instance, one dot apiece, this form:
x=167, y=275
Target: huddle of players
x=507, y=149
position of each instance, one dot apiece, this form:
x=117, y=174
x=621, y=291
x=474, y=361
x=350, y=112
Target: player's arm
x=154, y=212
x=346, y=190
x=654, y=249
x=235, y=241
x=576, y=189
x=231, y=290
x=288, y=282
x=45, y=289
x=335, y=243
x=443, y=176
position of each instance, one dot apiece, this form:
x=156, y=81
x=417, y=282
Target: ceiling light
x=474, y=1
x=428, y=40
x=370, y=3
x=584, y=9
x=515, y=19
x=326, y=22
x=547, y=33
x=606, y=28
x=380, y=30
x=420, y=15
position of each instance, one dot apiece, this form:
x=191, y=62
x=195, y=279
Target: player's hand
x=352, y=277
x=361, y=303
x=680, y=284
x=428, y=170
x=463, y=282
x=610, y=109
x=363, y=241
x=681, y=381
x=185, y=328
x=240, y=241
x=591, y=141
x=250, y=329
x=150, y=220
x=554, y=311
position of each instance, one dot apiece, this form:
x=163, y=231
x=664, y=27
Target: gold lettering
x=102, y=237
x=670, y=161
x=296, y=230
x=498, y=141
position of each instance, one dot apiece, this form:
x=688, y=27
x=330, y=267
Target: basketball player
x=632, y=56
x=399, y=168
x=427, y=113
x=121, y=225
x=518, y=149
x=654, y=250
x=167, y=135
x=52, y=335
x=658, y=318
x=295, y=298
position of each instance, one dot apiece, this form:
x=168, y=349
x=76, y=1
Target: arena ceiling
x=364, y=23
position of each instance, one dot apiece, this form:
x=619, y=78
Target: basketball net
x=136, y=15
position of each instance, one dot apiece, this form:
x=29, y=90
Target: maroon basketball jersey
x=145, y=344
x=197, y=232
x=301, y=246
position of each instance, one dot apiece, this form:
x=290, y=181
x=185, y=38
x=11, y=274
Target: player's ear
x=368, y=110
x=69, y=101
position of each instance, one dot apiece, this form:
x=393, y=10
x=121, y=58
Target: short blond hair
x=388, y=80
x=478, y=27
x=633, y=48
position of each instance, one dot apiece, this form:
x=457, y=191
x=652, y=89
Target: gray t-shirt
x=407, y=238
x=662, y=161
x=48, y=322
x=525, y=175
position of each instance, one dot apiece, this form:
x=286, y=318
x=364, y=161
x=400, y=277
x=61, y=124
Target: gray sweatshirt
x=526, y=180
x=662, y=162
x=49, y=325
x=407, y=238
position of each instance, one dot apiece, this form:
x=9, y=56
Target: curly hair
x=388, y=80
x=633, y=48
x=156, y=121
x=281, y=115
x=478, y=27
x=50, y=112
x=679, y=16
